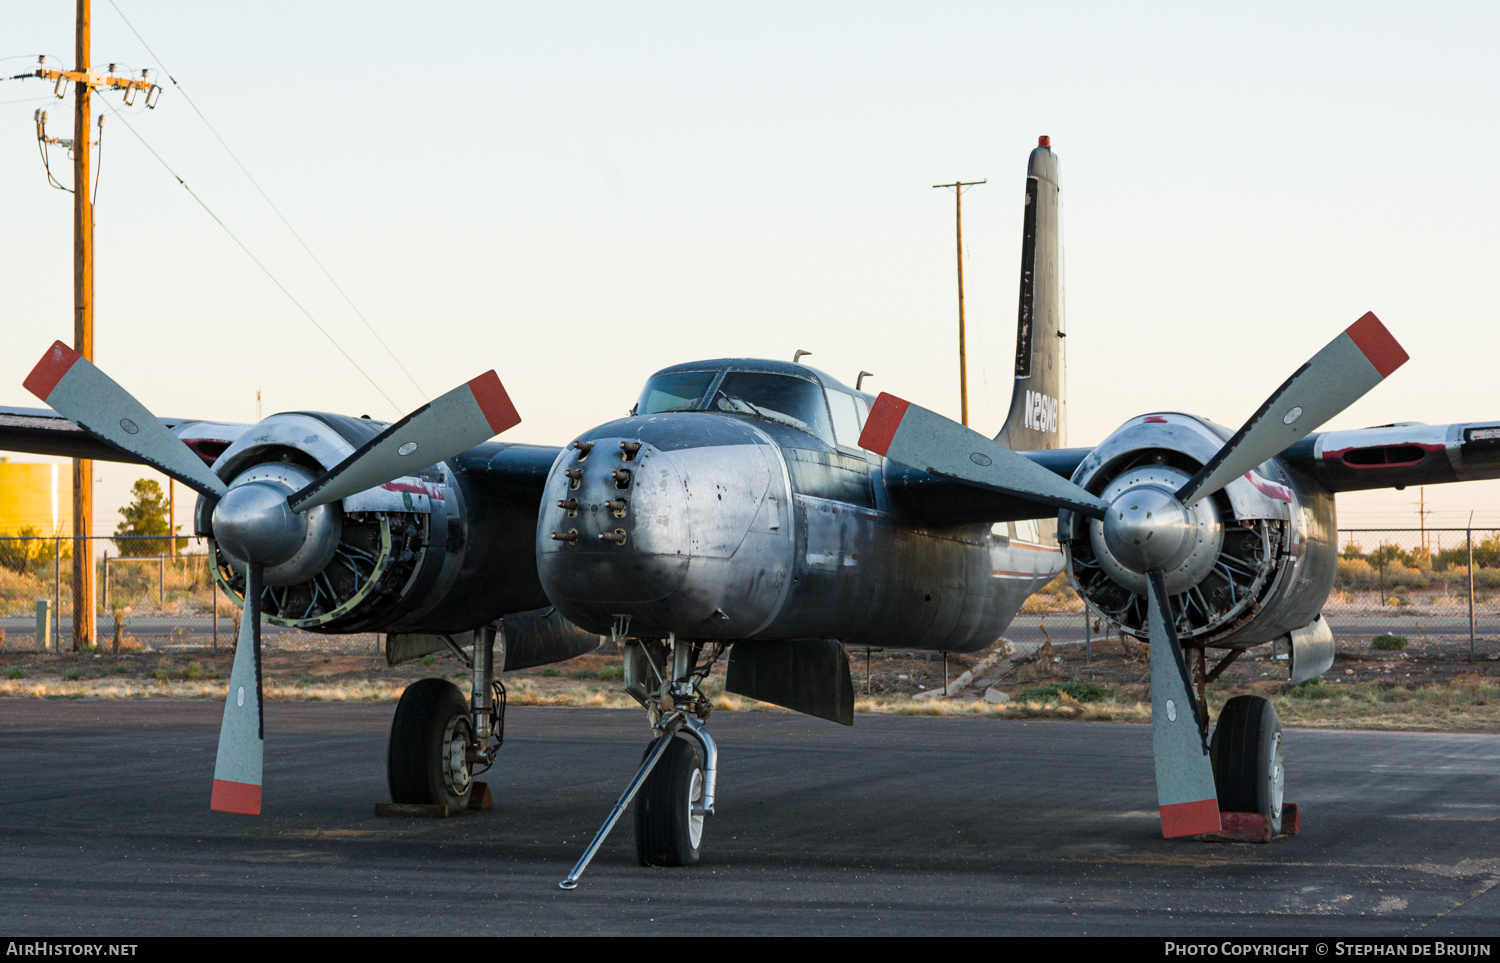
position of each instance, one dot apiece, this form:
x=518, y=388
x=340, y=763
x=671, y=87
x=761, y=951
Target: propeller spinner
x=262, y=523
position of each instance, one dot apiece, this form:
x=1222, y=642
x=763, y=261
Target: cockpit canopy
x=791, y=394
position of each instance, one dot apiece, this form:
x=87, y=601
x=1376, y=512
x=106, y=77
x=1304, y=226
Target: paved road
x=198, y=630
x=899, y=825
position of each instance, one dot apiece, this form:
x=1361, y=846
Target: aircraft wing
x=511, y=471
x=1389, y=456
x=42, y=431
x=1394, y=456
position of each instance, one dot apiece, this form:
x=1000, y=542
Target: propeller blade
x=91, y=399
x=457, y=421
x=1185, y=793
x=915, y=436
x=242, y=735
x=1361, y=357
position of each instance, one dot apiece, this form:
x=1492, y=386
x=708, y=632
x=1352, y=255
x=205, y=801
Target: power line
x=266, y=197
x=251, y=256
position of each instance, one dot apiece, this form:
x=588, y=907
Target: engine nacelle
x=1243, y=566
x=433, y=551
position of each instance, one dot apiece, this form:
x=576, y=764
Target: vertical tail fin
x=1038, y=417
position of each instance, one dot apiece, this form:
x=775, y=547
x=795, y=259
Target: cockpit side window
x=784, y=398
x=864, y=410
x=677, y=391
x=846, y=420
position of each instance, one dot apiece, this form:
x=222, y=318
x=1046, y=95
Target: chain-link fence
x=149, y=593
x=1433, y=583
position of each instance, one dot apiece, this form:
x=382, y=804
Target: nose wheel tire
x=427, y=758
x=668, y=809
x=1247, y=758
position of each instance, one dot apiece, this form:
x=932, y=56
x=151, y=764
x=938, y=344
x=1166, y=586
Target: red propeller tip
x=1377, y=344
x=880, y=427
x=1190, y=818
x=496, y=405
x=50, y=370
x=235, y=797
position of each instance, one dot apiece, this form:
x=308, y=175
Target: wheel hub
x=695, y=808
x=456, y=773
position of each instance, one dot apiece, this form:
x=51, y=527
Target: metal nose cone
x=253, y=523
x=1147, y=528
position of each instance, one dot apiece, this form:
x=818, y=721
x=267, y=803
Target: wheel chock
x=479, y=800
x=1252, y=827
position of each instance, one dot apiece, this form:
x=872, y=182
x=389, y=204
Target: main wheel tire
x=667, y=832
x=1247, y=758
x=426, y=759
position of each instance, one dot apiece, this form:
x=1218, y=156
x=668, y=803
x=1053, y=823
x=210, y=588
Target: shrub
x=71, y=675
x=14, y=674
x=612, y=673
x=1080, y=691
x=549, y=672
x=427, y=660
x=193, y=672
x=1311, y=689
x=1388, y=642
x=583, y=674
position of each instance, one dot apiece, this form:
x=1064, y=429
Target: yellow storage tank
x=36, y=496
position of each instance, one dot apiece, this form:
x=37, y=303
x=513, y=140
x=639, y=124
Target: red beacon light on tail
x=1044, y=141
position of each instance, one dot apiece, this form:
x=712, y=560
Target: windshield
x=679, y=391
x=783, y=398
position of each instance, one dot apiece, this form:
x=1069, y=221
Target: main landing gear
x=439, y=741
x=1246, y=754
x=1228, y=788
x=674, y=788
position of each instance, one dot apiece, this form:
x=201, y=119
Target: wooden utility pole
x=84, y=81
x=963, y=360
x=1422, y=514
x=84, y=629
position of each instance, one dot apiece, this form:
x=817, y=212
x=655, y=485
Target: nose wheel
x=669, y=809
x=673, y=790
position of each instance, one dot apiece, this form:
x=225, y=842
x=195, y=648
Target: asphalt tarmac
x=901, y=825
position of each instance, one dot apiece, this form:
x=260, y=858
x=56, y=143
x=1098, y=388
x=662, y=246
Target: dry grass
x=1426, y=687
x=1454, y=708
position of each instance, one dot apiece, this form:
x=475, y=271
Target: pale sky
x=579, y=194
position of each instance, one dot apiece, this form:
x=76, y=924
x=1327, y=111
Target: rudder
x=1038, y=405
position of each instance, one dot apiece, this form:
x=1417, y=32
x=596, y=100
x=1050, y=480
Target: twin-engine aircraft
x=768, y=511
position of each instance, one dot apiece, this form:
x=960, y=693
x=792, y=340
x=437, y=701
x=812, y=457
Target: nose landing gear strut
x=677, y=777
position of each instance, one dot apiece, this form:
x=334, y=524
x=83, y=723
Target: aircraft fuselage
x=728, y=526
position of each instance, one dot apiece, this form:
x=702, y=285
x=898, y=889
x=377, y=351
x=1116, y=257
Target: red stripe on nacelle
x=235, y=797
x=58, y=360
x=1190, y=818
x=880, y=427
x=1378, y=345
x=490, y=395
